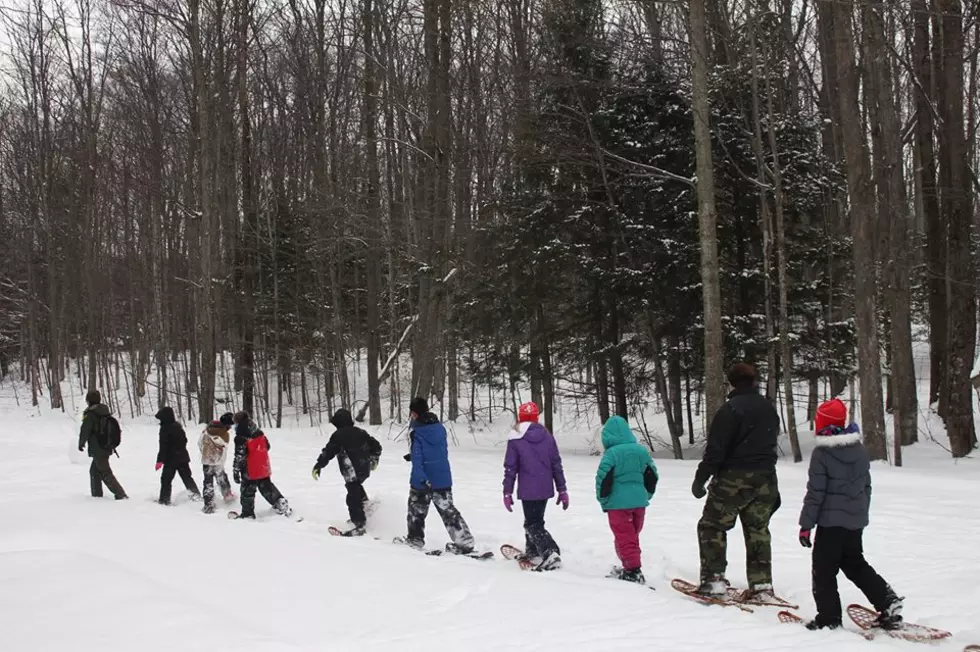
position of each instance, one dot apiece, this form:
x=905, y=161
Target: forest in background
x=615, y=198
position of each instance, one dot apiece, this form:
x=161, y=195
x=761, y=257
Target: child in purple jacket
x=534, y=462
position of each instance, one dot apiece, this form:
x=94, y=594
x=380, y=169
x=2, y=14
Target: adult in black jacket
x=173, y=457
x=357, y=455
x=741, y=457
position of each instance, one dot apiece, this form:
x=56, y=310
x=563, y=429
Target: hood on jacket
x=616, y=432
x=342, y=419
x=216, y=429
x=529, y=431
x=247, y=429
x=427, y=419
x=837, y=437
x=166, y=415
x=100, y=410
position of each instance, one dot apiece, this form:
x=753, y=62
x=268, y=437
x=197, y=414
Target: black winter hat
x=93, y=397
x=419, y=406
x=227, y=420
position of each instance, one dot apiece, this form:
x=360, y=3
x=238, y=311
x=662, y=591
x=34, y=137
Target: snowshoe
x=472, y=553
x=891, y=623
x=357, y=531
x=729, y=598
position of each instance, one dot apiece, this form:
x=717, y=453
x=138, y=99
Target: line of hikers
x=737, y=474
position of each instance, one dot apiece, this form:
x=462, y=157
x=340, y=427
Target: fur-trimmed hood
x=836, y=437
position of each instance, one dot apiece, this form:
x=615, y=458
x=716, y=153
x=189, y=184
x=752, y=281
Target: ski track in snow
x=85, y=574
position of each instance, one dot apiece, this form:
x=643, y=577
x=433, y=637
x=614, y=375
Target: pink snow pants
x=626, y=525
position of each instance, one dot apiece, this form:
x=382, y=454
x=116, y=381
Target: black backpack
x=110, y=434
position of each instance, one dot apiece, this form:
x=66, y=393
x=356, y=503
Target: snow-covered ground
x=85, y=574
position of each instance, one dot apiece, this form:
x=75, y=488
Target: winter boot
x=230, y=497
x=282, y=507
x=714, y=586
x=411, y=543
x=532, y=560
x=551, y=561
x=819, y=623
x=633, y=575
x=762, y=593
x=891, y=617
x=458, y=550
x=208, y=508
x=122, y=497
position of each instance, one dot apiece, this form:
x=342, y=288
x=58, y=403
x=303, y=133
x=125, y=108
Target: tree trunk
x=956, y=202
x=785, y=345
x=935, y=240
x=375, y=227
x=895, y=218
x=861, y=194
x=714, y=351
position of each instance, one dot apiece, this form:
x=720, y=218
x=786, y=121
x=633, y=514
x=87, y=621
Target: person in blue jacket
x=432, y=481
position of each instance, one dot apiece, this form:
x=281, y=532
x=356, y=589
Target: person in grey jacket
x=837, y=502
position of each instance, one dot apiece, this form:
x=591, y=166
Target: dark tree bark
x=863, y=223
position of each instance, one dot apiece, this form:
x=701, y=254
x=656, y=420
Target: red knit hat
x=528, y=413
x=831, y=413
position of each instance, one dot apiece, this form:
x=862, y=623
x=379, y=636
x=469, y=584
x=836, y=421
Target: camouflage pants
x=752, y=497
x=418, y=509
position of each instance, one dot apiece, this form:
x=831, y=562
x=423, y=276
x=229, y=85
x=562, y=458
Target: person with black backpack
x=173, y=457
x=357, y=455
x=101, y=433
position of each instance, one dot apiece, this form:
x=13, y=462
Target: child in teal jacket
x=624, y=485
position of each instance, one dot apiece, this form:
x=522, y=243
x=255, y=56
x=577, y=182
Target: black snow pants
x=212, y=473
x=537, y=540
x=418, y=509
x=839, y=549
x=268, y=491
x=356, y=497
x=100, y=472
x=167, y=480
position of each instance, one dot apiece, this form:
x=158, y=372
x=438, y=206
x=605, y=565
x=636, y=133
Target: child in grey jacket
x=838, y=499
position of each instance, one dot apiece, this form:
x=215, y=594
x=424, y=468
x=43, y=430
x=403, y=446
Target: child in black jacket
x=173, y=457
x=357, y=455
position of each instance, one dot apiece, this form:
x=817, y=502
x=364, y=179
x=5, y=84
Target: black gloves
x=698, y=489
x=700, y=479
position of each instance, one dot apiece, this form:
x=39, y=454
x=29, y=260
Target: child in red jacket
x=253, y=469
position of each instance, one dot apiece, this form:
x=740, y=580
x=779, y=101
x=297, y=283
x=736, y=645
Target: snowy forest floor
x=87, y=574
